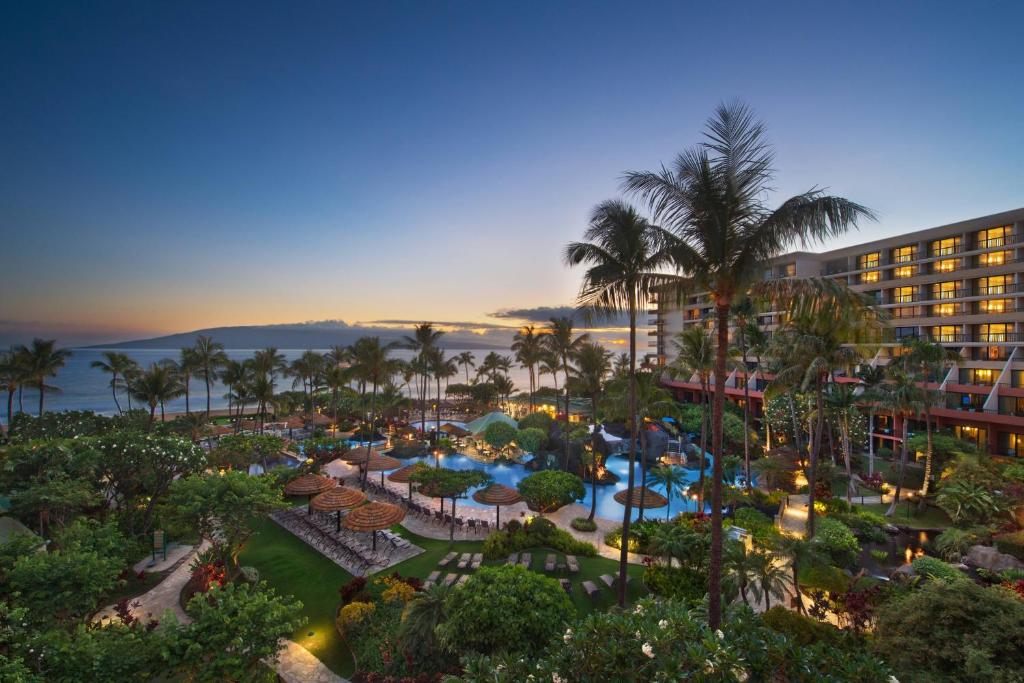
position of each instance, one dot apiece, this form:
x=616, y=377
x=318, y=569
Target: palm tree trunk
x=206, y=377
x=848, y=455
x=718, y=410
x=643, y=471
x=746, y=418
x=796, y=589
x=705, y=399
x=451, y=533
x=927, y=452
x=903, y=466
x=10, y=411
x=113, y=390
x=42, y=392
x=369, y=438
x=871, y=442
x=812, y=469
x=437, y=409
x=186, y=383
x=630, y=482
x=565, y=371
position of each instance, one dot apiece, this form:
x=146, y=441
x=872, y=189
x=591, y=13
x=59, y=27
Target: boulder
x=986, y=557
x=902, y=573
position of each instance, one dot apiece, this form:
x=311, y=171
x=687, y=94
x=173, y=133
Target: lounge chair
x=477, y=561
x=464, y=559
x=462, y=579
x=549, y=563
x=608, y=580
x=590, y=589
x=513, y=559
x=572, y=563
x=432, y=579
x=525, y=559
x=446, y=559
x=450, y=579
x=566, y=585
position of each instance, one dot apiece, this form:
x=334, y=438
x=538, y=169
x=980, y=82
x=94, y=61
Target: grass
x=913, y=476
x=293, y=568
x=929, y=518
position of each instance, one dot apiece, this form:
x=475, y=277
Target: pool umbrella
x=337, y=499
x=404, y=475
x=308, y=485
x=642, y=498
x=382, y=463
x=373, y=517
x=359, y=455
x=497, y=495
x=454, y=430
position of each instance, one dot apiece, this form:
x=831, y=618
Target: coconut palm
x=210, y=357
x=928, y=361
x=374, y=365
x=713, y=199
x=305, y=371
x=528, y=347
x=562, y=344
x=335, y=378
x=695, y=355
x=186, y=366
x=871, y=378
x=424, y=339
x=41, y=360
x=466, y=360
x=841, y=404
x=493, y=365
x=768, y=578
x=270, y=362
x=11, y=377
x=156, y=385
x=441, y=368
x=504, y=386
x=233, y=374
x=592, y=363
x=261, y=390
x=549, y=365
x=799, y=553
x=903, y=397
x=624, y=254
x=420, y=619
x=672, y=479
x=738, y=566
x=747, y=336
x=118, y=365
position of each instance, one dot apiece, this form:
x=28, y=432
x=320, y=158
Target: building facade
x=961, y=285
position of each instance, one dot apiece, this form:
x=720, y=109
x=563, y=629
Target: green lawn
x=929, y=518
x=913, y=476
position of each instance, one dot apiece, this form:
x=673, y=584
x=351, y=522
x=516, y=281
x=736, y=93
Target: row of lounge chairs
x=427, y=514
x=551, y=562
x=453, y=560
x=611, y=582
x=340, y=546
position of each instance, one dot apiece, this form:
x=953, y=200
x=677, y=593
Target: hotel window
x=903, y=295
x=865, y=261
x=903, y=254
x=944, y=310
x=945, y=334
x=997, y=284
x=944, y=290
x=995, y=258
x=950, y=245
x=976, y=435
x=947, y=265
x=981, y=376
x=905, y=332
x=995, y=306
x=905, y=312
x=994, y=332
x=902, y=272
x=994, y=237
x=788, y=270
x=1009, y=442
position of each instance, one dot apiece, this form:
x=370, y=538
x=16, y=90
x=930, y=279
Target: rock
x=985, y=557
x=891, y=529
x=902, y=573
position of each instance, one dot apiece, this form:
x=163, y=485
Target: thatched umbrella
x=308, y=485
x=337, y=499
x=382, y=463
x=497, y=495
x=454, y=430
x=359, y=455
x=403, y=475
x=642, y=498
x=373, y=517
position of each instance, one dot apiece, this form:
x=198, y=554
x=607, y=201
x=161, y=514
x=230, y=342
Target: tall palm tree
x=841, y=402
x=335, y=378
x=747, y=336
x=561, y=343
x=624, y=255
x=424, y=339
x=42, y=359
x=738, y=565
x=799, y=553
x=504, y=386
x=262, y=391
x=11, y=376
x=467, y=361
x=528, y=346
x=902, y=397
x=928, y=361
x=442, y=369
x=118, y=365
x=187, y=365
x=695, y=355
x=673, y=479
x=270, y=362
x=592, y=363
x=713, y=199
x=210, y=357
x=769, y=578
x=871, y=378
x=373, y=363
x=549, y=365
x=233, y=374
x=306, y=370
x=156, y=385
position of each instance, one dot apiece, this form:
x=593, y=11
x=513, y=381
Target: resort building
x=961, y=285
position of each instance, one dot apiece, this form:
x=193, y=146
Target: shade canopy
x=404, y=475
x=382, y=463
x=338, y=498
x=454, y=430
x=360, y=454
x=642, y=497
x=373, y=516
x=479, y=425
x=497, y=494
x=308, y=485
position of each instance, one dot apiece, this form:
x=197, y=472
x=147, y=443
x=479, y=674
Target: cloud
x=542, y=314
x=458, y=325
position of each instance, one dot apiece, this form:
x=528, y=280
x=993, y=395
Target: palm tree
x=418, y=629
x=233, y=374
x=592, y=365
x=262, y=391
x=673, y=479
x=620, y=367
x=747, y=336
x=466, y=360
x=40, y=360
x=549, y=365
x=424, y=339
x=335, y=378
x=156, y=385
x=713, y=199
x=11, y=377
x=528, y=346
x=118, y=365
x=738, y=565
x=769, y=578
x=841, y=401
x=375, y=367
x=624, y=254
x=871, y=378
x=928, y=361
x=269, y=362
x=695, y=355
x=186, y=365
x=209, y=357
x=306, y=371
x=440, y=368
x=904, y=399
x=504, y=386
x=799, y=553
x=493, y=365
x=560, y=342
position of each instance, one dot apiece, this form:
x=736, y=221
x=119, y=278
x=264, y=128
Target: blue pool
x=511, y=474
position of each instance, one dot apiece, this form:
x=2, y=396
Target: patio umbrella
x=373, y=517
x=359, y=455
x=382, y=463
x=308, y=485
x=454, y=430
x=642, y=498
x=497, y=495
x=337, y=499
x=404, y=475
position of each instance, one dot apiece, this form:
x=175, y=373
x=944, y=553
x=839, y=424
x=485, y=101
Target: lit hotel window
x=996, y=332
x=870, y=276
x=903, y=271
x=788, y=270
x=992, y=285
x=950, y=245
x=993, y=237
x=983, y=376
x=996, y=258
x=995, y=306
x=866, y=261
x=903, y=295
x=903, y=254
x=945, y=333
x=944, y=309
x=944, y=266
x=944, y=290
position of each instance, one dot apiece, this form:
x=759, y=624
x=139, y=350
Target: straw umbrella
x=404, y=475
x=373, y=517
x=359, y=456
x=309, y=485
x=337, y=499
x=497, y=495
x=382, y=463
x=642, y=497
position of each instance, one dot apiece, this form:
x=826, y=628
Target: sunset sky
x=171, y=166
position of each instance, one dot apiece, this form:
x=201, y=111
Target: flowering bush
x=354, y=613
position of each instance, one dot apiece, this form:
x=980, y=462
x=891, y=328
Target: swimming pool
x=512, y=474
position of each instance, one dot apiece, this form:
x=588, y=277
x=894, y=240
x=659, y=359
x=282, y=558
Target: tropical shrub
x=864, y=527
x=935, y=569
x=801, y=629
x=583, y=524
x=537, y=532
x=678, y=583
x=506, y=609
x=538, y=420
x=1011, y=544
x=953, y=632
x=837, y=541
x=953, y=543
x=548, y=490
x=530, y=439
x=499, y=434
x=756, y=522
x=353, y=614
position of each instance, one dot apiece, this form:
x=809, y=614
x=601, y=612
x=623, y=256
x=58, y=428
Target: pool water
x=512, y=474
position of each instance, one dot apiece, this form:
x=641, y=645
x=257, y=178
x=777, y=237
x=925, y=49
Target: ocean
x=86, y=388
